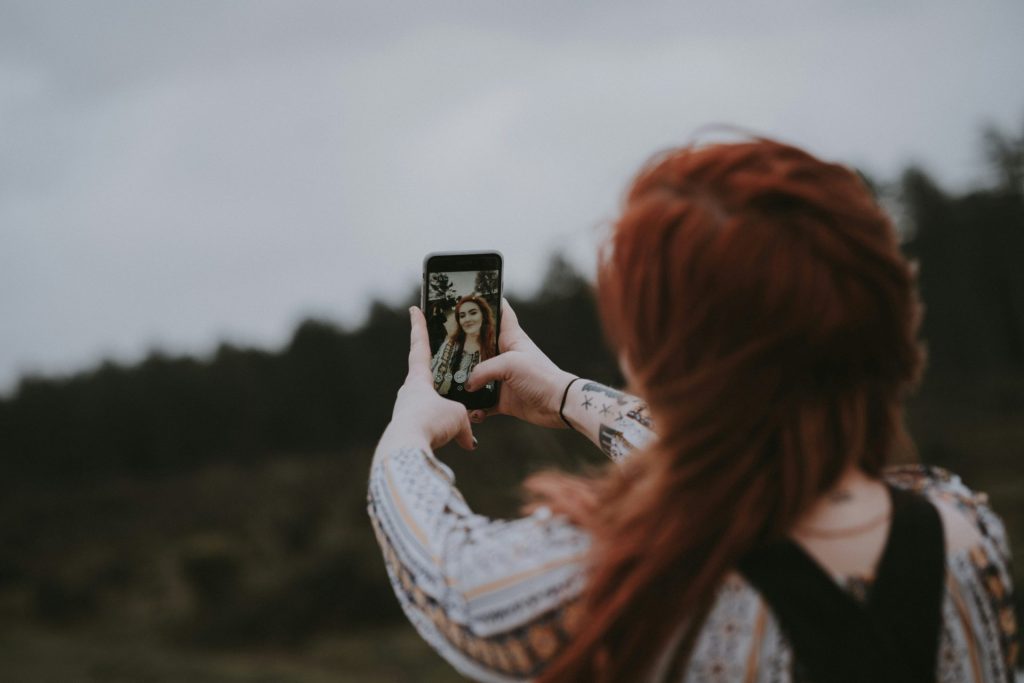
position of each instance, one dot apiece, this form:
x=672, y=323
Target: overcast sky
x=177, y=173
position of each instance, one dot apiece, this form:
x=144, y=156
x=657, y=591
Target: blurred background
x=213, y=214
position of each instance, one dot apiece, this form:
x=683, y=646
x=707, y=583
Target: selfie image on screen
x=462, y=321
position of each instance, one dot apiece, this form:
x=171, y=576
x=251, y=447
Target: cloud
x=173, y=174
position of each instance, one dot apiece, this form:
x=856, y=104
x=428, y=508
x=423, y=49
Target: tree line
x=331, y=388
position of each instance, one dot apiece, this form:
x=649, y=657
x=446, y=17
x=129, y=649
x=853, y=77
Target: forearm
x=398, y=436
x=475, y=588
x=616, y=422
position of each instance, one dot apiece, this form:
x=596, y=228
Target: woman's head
x=470, y=318
x=754, y=273
x=474, y=318
x=759, y=297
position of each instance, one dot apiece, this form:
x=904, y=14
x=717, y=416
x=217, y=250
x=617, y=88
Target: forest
x=190, y=518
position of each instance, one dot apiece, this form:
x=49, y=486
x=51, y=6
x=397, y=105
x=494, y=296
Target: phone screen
x=461, y=300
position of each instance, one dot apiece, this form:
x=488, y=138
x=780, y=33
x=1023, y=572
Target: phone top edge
x=485, y=252
x=456, y=255
x=463, y=260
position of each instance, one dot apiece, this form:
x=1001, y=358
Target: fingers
x=419, y=345
x=496, y=368
x=508, y=316
x=465, y=436
x=510, y=331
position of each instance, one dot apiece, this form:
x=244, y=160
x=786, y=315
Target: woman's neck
x=472, y=342
x=846, y=529
x=854, y=498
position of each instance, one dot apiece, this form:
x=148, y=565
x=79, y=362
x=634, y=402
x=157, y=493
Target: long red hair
x=767, y=315
x=487, y=326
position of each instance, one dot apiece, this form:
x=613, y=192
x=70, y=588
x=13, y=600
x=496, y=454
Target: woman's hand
x=532, y=386
x=421, y=416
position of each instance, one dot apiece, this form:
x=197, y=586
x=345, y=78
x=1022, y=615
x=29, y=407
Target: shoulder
x=445, y=348
x=967, y=515
x=978, y=558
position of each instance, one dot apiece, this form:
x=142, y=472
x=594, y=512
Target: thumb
x=465, y=436
x=496, y=368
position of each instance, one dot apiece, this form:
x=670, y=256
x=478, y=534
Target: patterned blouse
x=441, y=367
x=498, y=599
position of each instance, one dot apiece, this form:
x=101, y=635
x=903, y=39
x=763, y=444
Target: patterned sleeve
x=988, y=563
x=497, y=599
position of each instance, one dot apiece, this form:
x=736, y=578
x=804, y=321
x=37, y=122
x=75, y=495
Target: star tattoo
x=605, y=409
x=587, y=403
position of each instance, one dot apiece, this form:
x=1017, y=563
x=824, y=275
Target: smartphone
x=461, y=299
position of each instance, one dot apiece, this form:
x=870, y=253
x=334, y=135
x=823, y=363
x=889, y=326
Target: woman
x=750, y=529
x=470, y=343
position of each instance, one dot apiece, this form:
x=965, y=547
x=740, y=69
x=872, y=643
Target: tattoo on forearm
x=620, y=416
x=637, y=411
x=619, y=397
x=610, y=440
x=640, y=414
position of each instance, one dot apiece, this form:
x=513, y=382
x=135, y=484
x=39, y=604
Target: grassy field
x=268, y=571
x=116, y=653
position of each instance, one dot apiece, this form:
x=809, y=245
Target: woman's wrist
x=573, y=409
x=554, y=392
x=402, y=433
x=565, y=396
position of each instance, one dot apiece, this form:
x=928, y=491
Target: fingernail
x=475, y=443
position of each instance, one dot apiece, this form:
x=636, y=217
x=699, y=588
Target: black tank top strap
x=894, y=635
x=910, y=581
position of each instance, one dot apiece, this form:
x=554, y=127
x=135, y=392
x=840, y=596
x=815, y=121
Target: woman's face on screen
x=470, y=318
